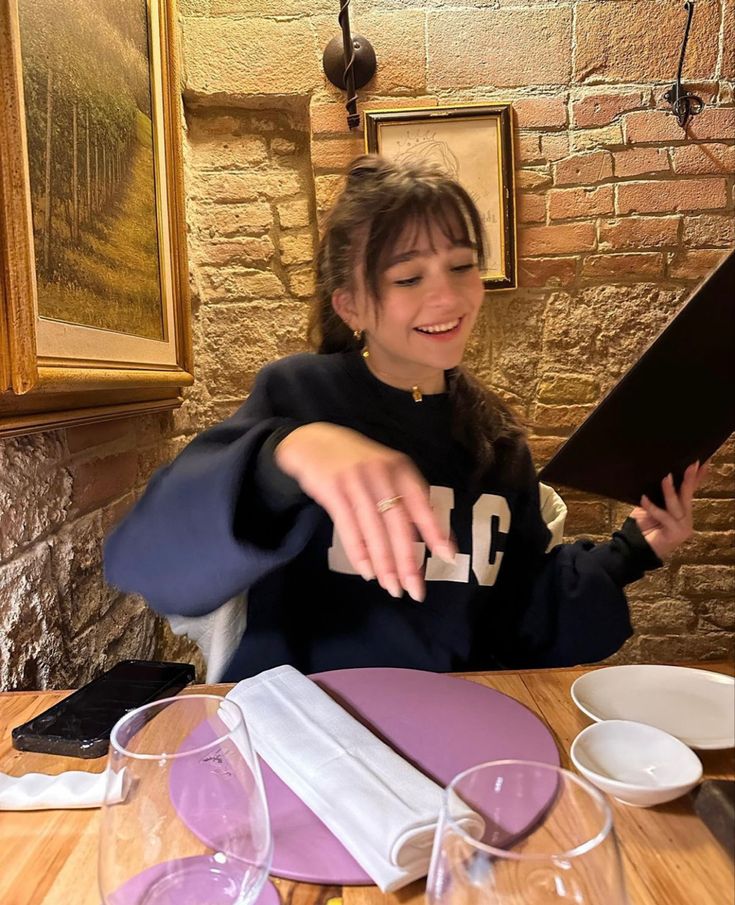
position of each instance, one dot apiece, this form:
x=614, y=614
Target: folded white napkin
x=382, y=809
x=73, y=789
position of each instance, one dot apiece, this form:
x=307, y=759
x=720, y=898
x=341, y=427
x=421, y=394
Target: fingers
x=662, y=516
x=673, y=504
x=415, y=494
x=382, y=545
x=388, y=536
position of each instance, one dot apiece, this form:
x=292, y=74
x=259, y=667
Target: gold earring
x=359, y=337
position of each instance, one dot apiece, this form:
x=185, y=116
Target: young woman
x=379, y=466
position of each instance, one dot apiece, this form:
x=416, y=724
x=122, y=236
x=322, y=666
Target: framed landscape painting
x=473, y=144
x=94, y=304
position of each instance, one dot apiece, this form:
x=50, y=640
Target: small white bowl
x=635, y=763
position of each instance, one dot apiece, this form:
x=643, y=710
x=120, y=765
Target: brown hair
x=380, y=200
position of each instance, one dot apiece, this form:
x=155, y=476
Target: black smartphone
x=80, y=725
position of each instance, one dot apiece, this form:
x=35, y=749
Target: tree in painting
x=86, y=79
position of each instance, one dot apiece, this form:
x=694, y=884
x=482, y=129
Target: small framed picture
x=94, y=298
x=474, y=144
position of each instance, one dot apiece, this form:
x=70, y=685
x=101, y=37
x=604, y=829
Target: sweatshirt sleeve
x=217, y=519
x=573, y=608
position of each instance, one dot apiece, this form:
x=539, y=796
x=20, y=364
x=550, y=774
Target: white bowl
x=635, y=763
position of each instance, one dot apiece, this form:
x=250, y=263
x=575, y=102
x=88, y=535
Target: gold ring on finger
x=388, y=503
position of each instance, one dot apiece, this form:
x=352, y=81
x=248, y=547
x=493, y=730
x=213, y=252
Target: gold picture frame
x=474, y=144
x=99, y=232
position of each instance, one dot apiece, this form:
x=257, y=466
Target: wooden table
x=670, y=857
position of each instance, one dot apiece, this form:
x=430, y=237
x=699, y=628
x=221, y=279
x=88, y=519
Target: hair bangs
x=441, y=204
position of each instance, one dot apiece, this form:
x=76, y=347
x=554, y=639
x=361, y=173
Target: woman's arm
x=203, y=530
x=573, y=607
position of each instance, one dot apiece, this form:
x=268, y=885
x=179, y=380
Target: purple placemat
x=198, y=870
x=442, y=724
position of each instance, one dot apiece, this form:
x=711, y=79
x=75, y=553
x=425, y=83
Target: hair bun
x=365, y=165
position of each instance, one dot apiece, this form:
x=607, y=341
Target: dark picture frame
x=474, y=144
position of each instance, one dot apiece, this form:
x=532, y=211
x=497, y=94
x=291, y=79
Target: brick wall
x=620, y=213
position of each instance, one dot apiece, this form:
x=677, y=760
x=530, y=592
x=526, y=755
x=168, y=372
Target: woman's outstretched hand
x=349, y=475
x=665, y=529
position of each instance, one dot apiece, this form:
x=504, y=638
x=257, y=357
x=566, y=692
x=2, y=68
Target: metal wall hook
x=684, y=105
x=349, y=63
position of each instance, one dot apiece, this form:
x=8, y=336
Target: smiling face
x=430, y=292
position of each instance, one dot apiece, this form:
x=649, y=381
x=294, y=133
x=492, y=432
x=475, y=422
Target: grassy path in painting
x=115, y=266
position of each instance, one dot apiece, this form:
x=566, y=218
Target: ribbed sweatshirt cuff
x=628, y=556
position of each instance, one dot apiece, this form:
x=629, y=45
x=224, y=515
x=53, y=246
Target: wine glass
x=185, y=819
x=547, y=839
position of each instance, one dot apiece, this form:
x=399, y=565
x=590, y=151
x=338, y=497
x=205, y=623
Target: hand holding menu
x=675, y=406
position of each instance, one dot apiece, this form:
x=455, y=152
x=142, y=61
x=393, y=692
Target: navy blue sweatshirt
x=222, y=519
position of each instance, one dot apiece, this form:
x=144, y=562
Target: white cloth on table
x=381, y=808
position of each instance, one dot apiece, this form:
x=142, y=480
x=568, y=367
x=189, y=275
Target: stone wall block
x=714, y=514
x=558, y=388
x=707, y=546
x=638, y=232
x=244, y=251
x=720, y=478
x=531, y=208
x=577, y=203
x=238, y=284
x=568, y=238
x=31, y=642
x=669, y=196
x=719, y=614
x=35, y=490
x=327, y=188
x=302, y=282
x=631, y=42
x=675, y=648
x=586, y=517
x=468, y=48
x=701, y=160
x=663, y=616
x=559, y=417
x=602, y=109
x=654, y=585
x=127, y=630
x=98, y=481
x=547, y=272
x=297, y=248
x=240, y=339
x=605, y=326
x=694, y=263
x=554, y=146
x=591, y=139
x=709, y=230
x=76, y=564
x=224, y=221
x=541, y=112
x=294, y=214
x=226, y=152
x=335, y=153
x=249, y=57
x=706, y=581
x=640, y=162
x=584, y=169
x=532, y=179
x=624, y=267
